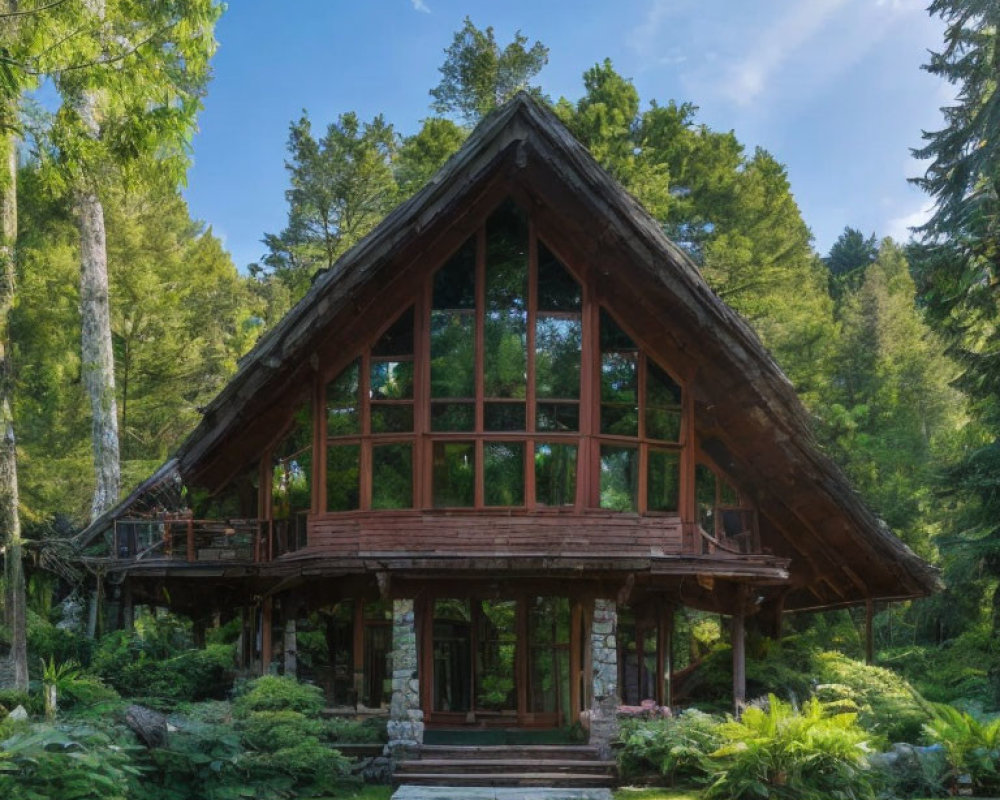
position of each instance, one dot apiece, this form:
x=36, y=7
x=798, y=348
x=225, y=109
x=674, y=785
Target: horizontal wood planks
x=455, y=533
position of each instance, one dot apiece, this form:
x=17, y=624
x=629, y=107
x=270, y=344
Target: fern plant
x=971, y=747
x=780, y=752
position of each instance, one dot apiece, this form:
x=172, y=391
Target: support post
x=291, y=648
x=869, y=632
x=739, y=662
x=604, y=656
x=128, y=608
x=266, y=614
x=406, y=718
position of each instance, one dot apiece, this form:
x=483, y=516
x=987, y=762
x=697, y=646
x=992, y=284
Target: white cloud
x=749, y=76
x=899, y=227
x=421, y=6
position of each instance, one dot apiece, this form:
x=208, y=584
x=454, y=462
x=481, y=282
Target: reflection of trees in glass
x=453, y=349
x=503, y=465
x=343, y=402
x=452, y=654
x=548, y=654
x=663, y=480
x=453, y=416
x=619, y=380
x=504, y=417
x=454, y=474
x=619, y=478
x=392, y=476
x=506, y=293
x=391, y=380
x=291, y=471
x=637, y=648
x=343, y=484
x=496, y=646
x=557, y=289
x=704, y=492
x=555, y=474
x=663, y=404
x=558, y=342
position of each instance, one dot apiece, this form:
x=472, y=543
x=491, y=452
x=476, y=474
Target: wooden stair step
x=534, y=751
x=539, y=779
x=496, y=765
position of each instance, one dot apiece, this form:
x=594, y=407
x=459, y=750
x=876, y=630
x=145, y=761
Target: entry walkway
x=410, y=792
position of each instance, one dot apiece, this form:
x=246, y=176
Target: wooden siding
x=478, y=533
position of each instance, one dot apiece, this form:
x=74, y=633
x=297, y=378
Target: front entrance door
x=502, y=662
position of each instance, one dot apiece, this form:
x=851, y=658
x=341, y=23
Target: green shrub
x=49, y=643
x=349, y=731
x=139, y=667
x=783, y=753
x=888, y=707
x=67, y=763
x=971, y=747
x=674, y=748
x=12, y=698
x=278, y=693
x=276, y=730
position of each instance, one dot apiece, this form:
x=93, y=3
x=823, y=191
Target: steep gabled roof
x=750, y=419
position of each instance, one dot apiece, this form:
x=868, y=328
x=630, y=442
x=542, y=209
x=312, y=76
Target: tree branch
x=28, y=12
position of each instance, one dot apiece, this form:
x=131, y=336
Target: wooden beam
x=739, y=662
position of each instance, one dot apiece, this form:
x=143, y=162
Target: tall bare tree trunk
x=10, y=519
x=98, y=362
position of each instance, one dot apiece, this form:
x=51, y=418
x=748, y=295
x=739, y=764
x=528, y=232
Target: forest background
x=890, y=344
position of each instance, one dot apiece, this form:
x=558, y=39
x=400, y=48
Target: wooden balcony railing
x=732, y=531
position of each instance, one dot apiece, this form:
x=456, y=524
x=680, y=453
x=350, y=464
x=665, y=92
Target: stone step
x=520, y=766
x=559, y=752
x=561, y=780
x=414, y=792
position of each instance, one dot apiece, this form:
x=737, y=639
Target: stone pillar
x=406, y=718
x=604, y=657
x=291, y=646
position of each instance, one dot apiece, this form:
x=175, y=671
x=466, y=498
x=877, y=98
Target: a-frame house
x=489, y=453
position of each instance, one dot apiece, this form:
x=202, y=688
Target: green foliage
x=778, y=752
x=278, y=693
x=49, y=643
x=422, y=154
x=972, y=747
x=349, y=731
x=156, y=661
x=675, y=748
x=477, y=76
x=277, y=730
x=67, y=763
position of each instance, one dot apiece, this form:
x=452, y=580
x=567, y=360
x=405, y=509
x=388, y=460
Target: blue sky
x=832, y=88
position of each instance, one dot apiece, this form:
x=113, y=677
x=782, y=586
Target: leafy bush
x=971, y=747
x=888, y=707
x=147, y=668
x=675, y=748
x=349, y=731
x=49, y=643
x=64, y=763
x=779, y=752
x=276, y=730
x=274, y=693
x=12, y=698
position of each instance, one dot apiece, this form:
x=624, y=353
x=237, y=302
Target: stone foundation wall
x=604, y=656
x=406, y=719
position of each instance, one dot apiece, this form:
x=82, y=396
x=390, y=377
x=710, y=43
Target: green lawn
x=633, y=793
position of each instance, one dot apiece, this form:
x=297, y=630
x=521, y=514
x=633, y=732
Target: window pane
x=557, y=417
x=391, y=380
x=454, y=476
x=663, y=484
x=555, y=474
x=557, y=289
x=453, y=348
x=548, y=644
x=619, y=392
x=704, y=492
x=398, y=340
x=455, y=282
x=503, y=463
x=558, y=344
x=619, y=478
x=453, y=416
x=392, y=419
x=343, y=402
x=506, y=302
x=663, y=404
x=392, y=476
x=291, y=485
x=612, y=336
x=728, y=496
x=452, y=655
x=504, y=416
x=496, y=645
x=342, y=484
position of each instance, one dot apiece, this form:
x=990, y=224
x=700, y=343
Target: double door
x=510, y=661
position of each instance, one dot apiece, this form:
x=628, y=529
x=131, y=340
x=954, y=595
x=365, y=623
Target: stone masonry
x=604, y=656
x=406, y=719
